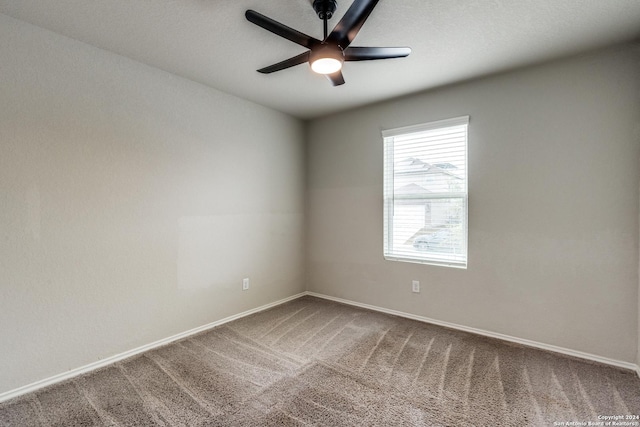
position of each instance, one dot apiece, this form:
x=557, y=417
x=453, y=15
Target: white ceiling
x=211, y=42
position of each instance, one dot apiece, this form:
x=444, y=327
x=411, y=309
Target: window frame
x=389, y=195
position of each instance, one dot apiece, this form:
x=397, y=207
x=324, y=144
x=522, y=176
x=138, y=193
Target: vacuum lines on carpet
x=312, y=362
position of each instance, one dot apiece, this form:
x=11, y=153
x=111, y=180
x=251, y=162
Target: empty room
x=319, y=213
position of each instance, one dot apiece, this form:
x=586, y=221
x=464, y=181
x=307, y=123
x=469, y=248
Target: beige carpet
x=315, y=362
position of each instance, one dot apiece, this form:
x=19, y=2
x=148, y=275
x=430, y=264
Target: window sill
x=440, y=263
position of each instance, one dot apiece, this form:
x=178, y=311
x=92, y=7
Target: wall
x=553, y=205
x=133, y=202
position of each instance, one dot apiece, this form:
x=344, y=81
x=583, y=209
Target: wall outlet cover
x=415, y=286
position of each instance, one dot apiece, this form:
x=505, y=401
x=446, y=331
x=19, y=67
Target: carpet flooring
x=320, y=363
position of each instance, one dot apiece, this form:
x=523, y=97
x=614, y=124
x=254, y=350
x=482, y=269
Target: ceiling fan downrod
x=325, y=9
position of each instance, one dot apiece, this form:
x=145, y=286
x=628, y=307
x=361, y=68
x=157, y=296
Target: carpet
x=312, y=362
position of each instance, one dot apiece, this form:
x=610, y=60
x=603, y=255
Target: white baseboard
x=529, y=343
x=118, y=357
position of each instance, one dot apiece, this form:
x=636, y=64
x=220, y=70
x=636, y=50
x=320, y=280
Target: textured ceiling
x=210, y=41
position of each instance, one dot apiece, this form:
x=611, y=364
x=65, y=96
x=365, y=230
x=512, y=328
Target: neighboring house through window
x=425, y=193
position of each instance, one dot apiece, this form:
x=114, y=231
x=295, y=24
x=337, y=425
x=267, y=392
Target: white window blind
x=425, y=193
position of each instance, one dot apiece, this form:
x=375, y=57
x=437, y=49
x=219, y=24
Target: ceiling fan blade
x=369, y=53
x=336, y=78
x=348, y=27
x=280, y=29
x=296, y=60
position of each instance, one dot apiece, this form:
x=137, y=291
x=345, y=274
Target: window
x=425, y=193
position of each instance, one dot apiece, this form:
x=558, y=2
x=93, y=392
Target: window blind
x=425, y=193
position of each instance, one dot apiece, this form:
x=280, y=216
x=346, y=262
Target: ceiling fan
x=327, y=56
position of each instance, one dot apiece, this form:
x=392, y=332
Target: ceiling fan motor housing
x=325, y=8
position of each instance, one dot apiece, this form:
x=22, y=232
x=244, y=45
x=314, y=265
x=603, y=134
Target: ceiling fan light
x=326, y=65
x=326, y=59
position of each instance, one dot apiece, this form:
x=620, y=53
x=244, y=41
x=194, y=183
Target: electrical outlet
x=245, y=284
x=415, y=286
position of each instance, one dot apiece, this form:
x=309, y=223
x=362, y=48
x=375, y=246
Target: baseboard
x=118, y=357
x=522, y=341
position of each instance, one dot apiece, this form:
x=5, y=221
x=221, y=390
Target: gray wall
x=132, y=204
x=553, y=205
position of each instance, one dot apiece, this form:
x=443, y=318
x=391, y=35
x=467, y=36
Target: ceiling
x=211, y=42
